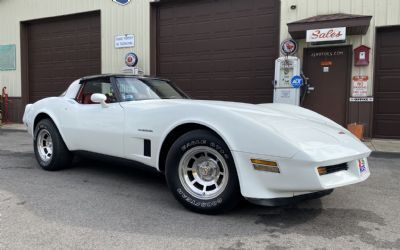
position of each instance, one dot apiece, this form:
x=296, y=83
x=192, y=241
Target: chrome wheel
x=44, y=145
x=203, y=172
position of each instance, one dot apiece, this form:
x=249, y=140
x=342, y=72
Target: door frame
x=349, y=49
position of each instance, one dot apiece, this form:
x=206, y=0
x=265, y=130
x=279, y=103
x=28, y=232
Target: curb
x=12, y=130
x=381, y=154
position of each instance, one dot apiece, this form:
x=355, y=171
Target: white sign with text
x=325, y=35
x=360, y=86
x=125, y=41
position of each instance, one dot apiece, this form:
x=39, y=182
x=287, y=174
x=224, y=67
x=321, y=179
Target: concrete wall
x=133, y=18
x=384, y=12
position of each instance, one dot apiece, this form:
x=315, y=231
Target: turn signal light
x=262, y=165
x=322, y=170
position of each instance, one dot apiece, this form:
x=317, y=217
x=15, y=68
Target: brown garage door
x=61, y=50
x=387, y=84
x=222, y=50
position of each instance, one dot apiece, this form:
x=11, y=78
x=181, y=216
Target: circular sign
x=296, y=82
x=289, y=47
x=131, y=59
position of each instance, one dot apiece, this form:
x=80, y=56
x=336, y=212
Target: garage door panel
x=387, y=84
x=388, y=106
x=221, y=45
x=387, y=129
x=389, y=62
x=61, y=50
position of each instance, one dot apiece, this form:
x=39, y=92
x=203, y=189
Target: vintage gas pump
x=287, y=81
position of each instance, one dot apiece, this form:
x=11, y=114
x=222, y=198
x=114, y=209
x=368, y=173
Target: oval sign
x=296, y=82
x=131, y=59
x=121, y=2
x=289, y=47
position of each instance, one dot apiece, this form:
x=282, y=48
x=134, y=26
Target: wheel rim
x=45, y=145
x=203, y=172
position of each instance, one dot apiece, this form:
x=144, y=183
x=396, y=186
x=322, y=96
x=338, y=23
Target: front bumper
x=289, y=200
x=296, y=177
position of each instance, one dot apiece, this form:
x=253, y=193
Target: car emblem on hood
x=341, y=133
x=122, y=2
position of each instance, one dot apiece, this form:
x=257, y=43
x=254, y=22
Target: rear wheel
x=50, y=150
x=201, y=173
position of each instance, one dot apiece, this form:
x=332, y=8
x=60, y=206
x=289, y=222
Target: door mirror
x=99, y=98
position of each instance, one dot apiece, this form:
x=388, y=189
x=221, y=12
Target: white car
x=212, y=152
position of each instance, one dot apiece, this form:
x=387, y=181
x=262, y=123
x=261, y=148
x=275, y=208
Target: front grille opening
x=332, y=169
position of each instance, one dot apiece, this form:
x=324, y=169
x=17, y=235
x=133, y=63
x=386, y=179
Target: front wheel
x=50, y=150
x=201, y=173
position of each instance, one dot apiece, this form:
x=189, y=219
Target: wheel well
x=173, y=136
x=40, y=117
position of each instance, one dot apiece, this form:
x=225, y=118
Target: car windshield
x=133, y=89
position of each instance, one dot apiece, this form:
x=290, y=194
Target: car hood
x=312, y=134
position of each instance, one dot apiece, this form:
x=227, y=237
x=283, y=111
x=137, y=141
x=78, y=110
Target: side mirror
x=99, y=98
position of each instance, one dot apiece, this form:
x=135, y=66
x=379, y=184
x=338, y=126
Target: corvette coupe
x=212, y=153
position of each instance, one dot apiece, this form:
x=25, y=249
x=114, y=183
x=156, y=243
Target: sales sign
x=326, y=35
x=125, y=41
x=360, y=86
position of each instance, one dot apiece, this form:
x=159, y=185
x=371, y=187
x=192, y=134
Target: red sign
x=360, y=86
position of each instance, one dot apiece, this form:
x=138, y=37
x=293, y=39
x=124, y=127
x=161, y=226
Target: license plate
x=362, y=166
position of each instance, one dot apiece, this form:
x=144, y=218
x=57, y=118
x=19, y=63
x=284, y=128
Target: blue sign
x=296, y=82
x=122, y=2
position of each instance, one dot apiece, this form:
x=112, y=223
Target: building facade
x=380, y=112
x=221, y=50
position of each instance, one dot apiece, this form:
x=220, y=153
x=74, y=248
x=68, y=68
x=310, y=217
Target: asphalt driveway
x=103, y=205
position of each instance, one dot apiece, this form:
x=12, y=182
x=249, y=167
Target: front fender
x=48, y=108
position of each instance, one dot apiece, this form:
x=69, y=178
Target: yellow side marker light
x=322, y=170
x=263, y=165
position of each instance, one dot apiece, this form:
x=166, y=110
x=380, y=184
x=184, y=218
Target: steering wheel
x=110, y=98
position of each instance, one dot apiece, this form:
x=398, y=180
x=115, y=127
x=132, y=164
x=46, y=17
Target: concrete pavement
x=103, y=205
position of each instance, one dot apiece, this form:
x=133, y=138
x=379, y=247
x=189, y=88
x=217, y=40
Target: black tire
x=195, y=141
x=60, y=157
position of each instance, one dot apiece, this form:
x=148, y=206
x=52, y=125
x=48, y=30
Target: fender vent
x=147, y=148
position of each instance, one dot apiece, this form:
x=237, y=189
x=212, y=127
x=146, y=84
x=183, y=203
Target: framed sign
x=360, y=86
x=326, y=35
x=7, y=57
x=125, y=41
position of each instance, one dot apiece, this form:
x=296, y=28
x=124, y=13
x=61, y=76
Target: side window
x=98, y=86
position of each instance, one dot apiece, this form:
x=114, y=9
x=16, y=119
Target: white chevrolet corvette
x=212, y=152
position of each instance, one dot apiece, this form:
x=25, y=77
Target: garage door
x=223, y=50
x=387, y=84
x=61, y=50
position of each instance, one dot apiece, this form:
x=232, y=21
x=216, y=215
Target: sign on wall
x=360, y=86
x=121, y=2
x=326, y=35
x=289, y=47
x=125, y=41
x=7, y=57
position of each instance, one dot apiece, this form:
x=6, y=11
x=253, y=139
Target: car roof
x=121, y=75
